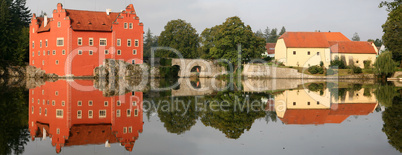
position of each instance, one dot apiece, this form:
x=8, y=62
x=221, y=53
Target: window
x=59, y=113
x=43, y=62
x=357, y=61
x=63, y=103
x=132, y=93
x=318, y=53
x=308, y=103
x=38, y=101
x=79, y=41
x=91, y=52
x=128, y=113
x=125, y=130
x=56, y=93
x=134, y=52
x=137, y=43
x=38, y=53
x=33, y=44
x=40, y=43
x=318, y=102
x=58, y=131
x=53, y=103
x=133, y=62
x=118, y=52
x=79, y=114
x=136, y=112
x=33, y=100
x=60, y=41
x=102, y=113
x=90, y=114
x=308, y=53
x=48, y=52
x=106, y=103
x=47, y=102
x=43, y=102
x=294, y=103
x=131, y=25
x=80, y=52
x=33, y=30
x=91, y=41
x=90, y=103
x=294, y=52
x=32, y=109
x=79, y=103
x=102, y=42
x=129, y=42
x=125, y=25
x=63, y=52
x=33, y=61
x=43, y=92
x=33, y=53
x=118, y=42
x=45, y=111
x=57, y=62
x=40, y=110
x=106, y=51
x=130, y=129
x=58, y=24
x=118, y=114
x=54, y=52
x=134, y=103
x=46, y=43
x=118, y=103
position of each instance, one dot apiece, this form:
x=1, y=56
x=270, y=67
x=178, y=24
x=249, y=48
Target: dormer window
x=58, y=24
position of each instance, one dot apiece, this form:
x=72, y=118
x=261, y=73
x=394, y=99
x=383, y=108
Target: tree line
x=14, y=32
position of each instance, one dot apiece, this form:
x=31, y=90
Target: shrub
x=338, y=63
x=356, y=70
x=367, y=64
x=316, y=70
x=321, y=64
x=330, y=72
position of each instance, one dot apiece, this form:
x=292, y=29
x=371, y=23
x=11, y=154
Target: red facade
x=74, y=42
x=71, y=116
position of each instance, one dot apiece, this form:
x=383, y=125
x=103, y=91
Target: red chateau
x=74, y=42
x=73, y=117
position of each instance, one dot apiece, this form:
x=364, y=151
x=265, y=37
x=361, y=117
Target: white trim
x=134, y=51
x=118, y=42
x=118, y=52
x=79, y=114
x=130, y=25
x=136, y=43
x=92, y=114
x=128, y=112
x=57, y=42
x=89, y=41
x=58, y=24
x=135, y=112
x=62, y=113
x=129, y=43
x=91, y=52
x=118, y=113
x=78, y=41
x=101, y=39
x=90, y=103
x=79, y=52
x=100, y=113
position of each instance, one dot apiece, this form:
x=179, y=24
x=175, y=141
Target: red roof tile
x=353, y=109
x=42, y=27
x=356, y=47
x=311, y=39
x=90, y=134
x=91, y=20
x=270, y=48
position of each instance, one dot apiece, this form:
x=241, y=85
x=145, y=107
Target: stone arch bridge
x=198, y=68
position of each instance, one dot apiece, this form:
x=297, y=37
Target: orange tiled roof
x=270, y=48
x=91, y=20
x=42, y=27
x=357, y=47
x=353, y=109
x=311, y=39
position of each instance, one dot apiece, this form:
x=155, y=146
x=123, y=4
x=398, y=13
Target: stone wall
x=266, y=71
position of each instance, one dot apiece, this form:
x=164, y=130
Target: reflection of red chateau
x=336, y=114
x=74, y=117
x=84, y=38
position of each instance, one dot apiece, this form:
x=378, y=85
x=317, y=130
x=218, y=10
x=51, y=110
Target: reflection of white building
x=306, y=107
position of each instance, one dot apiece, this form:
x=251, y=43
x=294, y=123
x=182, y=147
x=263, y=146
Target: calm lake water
x=201, y=116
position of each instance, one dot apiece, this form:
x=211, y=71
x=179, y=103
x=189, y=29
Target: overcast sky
x=346, y=16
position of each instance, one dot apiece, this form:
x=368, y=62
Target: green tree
x=356, y=37
x=283, y=30
x=393, y=29
x=273, y=36
x=227, y=37
x=393, y=123
x=259, y=34
x=384, y=65
x=179, y=35
x=385, y=94
x=148, y=42
x=207, y=40
x=267, y=33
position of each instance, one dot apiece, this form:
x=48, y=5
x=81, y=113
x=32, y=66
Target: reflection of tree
x=385, y=93
x=234, y=118
x=393, y=123
x=14, y=120
x=175, y=117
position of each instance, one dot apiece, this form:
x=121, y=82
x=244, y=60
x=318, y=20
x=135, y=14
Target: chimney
x=108, y=11
x=45, y=21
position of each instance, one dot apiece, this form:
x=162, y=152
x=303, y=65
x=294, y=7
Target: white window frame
x=136, y=43
x=125, y=25
x=124, y=130
x=90, y=114
x=57, y=113
x=118, y=103
x=79, y=52
x=133, y=62
x=118, y=113
x=53, y=103
x=130, y=25
x=91, y=52
x=102, y=116
x=58, y=24
x=128, y=112
x=134, y=103
x=79, y=114
x=63, y=103
x=40, y=44
x=90, y=103
x=118, y=52
x=57, y=42
x=63, y=52
x=91, y=41
x=102, y=39
x=46, y=43
x=135, y=112
x=106, y=52
x=57, y=62
x=106, y=103
x=130, y=129
x=129, y=42
x=79, y=103
x=118, y=42
x=45, y=111
x=54, y=52
x=134, y=51
x=33, y=44
x=79, y=41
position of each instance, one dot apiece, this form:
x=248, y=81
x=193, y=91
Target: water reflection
x=71, y=117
